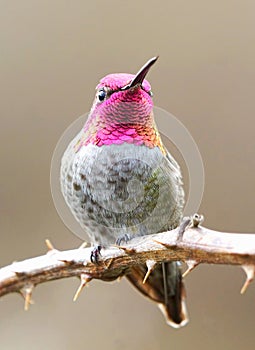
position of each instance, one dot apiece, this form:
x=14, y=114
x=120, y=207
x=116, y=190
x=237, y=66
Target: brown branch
x=197, y=245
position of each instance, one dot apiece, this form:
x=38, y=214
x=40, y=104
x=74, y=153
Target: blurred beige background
x=52, y=55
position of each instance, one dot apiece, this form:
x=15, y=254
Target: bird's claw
x=95, y=254
x=123, y=238
x=186, y=222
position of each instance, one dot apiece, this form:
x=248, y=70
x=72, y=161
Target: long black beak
x=139, y=77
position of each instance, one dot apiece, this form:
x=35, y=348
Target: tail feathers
x=165, y=287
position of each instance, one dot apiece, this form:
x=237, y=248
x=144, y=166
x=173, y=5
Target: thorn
x=51, y=250
x=126, y=250
x=83, y=245
x=197, y=220
x=109, y=263
x=250, y=273
x=166, y=245
x=20, y=273
x=67, y=262
x=26, y=292
x=191, y=265
x=84, y=280
x=49, y=245
x=150, y=266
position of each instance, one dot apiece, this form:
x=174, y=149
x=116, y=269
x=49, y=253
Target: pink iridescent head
x=124, y=98
x=122, y=111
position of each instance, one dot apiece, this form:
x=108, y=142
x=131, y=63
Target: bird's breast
x=120, y=189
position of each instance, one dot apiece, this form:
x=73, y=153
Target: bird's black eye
x=101, y=95
x=150, y=93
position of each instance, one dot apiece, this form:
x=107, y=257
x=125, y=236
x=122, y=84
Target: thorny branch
x=196, y=245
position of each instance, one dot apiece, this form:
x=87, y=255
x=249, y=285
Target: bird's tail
x=164, y=286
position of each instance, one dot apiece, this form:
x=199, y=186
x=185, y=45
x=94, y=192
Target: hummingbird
x=120, y=182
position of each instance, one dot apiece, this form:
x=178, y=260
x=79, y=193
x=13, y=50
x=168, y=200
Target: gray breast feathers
x=122, y=189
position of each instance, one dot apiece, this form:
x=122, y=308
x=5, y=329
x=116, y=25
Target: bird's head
x=124, y=98
x=122, y=110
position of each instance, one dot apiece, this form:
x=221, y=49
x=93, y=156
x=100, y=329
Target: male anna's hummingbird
x=120, y=182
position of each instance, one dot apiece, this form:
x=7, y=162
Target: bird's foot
x=187, y=222
x=95, y=254
x=123, y=238
x=197, y=219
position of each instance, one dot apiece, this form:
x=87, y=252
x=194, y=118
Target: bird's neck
x=102, y=132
